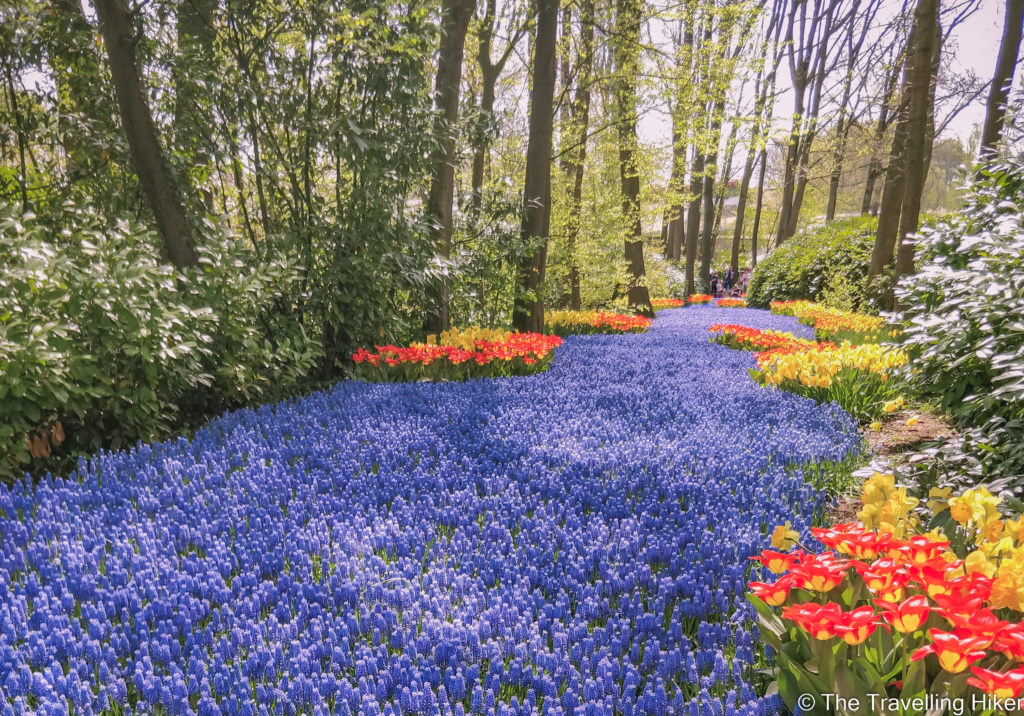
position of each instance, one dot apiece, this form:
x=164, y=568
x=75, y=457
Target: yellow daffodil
x=784, y=537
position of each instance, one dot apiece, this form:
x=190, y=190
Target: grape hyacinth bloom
x=574, y=543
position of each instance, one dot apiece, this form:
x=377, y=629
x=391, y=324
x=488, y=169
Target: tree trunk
x=707, y=239
x=926, y=18
x=763, y=159
x=627, y=48
x=528, y=313
x=693, y=218
x=1002, y=79
x=887, y=234
x=143, y=143
x=581, y=125
x=741, y=209
x=456, y=15
x=875, y=165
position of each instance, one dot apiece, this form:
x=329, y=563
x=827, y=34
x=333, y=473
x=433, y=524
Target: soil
x=894, y=440
x=897, y=437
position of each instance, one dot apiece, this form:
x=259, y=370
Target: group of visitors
x=725, y=283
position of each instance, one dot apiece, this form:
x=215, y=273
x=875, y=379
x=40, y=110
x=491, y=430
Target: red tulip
x=1001, y=686
x=955, y=653
x=907, y=617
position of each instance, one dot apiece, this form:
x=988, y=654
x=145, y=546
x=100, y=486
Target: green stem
x=903, y=682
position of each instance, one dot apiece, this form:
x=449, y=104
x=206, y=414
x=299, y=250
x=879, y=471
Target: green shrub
x=964, y=314
x=825, y=263
x=101, y=345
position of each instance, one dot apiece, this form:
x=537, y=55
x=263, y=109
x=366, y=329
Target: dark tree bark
x=919, y=133
x=707, y=237
x=528, y=313
x=682, y=123
x=455, y=17
x=627, y=46
x=143, y=143
x=489, y=74
x=875, y=165
x=887, y=233
x=1002, y=79
x=693, y=217
x=763, y=160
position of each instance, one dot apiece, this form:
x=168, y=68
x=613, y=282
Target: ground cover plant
x=572, y=542
x=461, y=355
x=567, y=323
x=915, y=599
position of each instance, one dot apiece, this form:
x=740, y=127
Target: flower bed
x=661, y=303
x=573, y=543
x=731, y=303
x=889, y=610
x=567, y=323
x=857, y=377
x=834, y=325
x=755, y=339
x=478, y=353
x=699, y=298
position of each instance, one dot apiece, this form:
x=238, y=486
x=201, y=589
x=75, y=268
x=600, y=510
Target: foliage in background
x=964, y=326
x=826, y=263
x=100, y=338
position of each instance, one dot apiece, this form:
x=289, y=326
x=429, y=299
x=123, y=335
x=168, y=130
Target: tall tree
x=577, y=155
x=490, y=71
x=143, y=142
x=455, y=17
x=528, y=311
x=810, y=61
x=920, y=128
x=847, y=115
x=628, y=17
x=1002, y=78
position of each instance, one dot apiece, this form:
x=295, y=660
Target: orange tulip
x=955, y=653
x=819, y=573
x=856, y=626
x=907, y=617
x=954, y=607
x=772, y=594
x=980, y=625
x=778, y=562
x=1001, y=686
x=819, y=621
x=1011, y=642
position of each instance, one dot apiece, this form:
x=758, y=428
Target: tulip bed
x=889, y=609
x=663, y=303
x=574, y=543
x=568, y=323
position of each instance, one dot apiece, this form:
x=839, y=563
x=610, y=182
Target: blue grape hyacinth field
x=570, y=544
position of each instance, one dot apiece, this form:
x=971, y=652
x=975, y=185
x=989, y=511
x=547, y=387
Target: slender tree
x=920, y=128
x=490, y=71
x=528, y=312
x=455, y=17
x=143, y=141
x=576, y=157
x=1002, y=78
x=628, y=17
